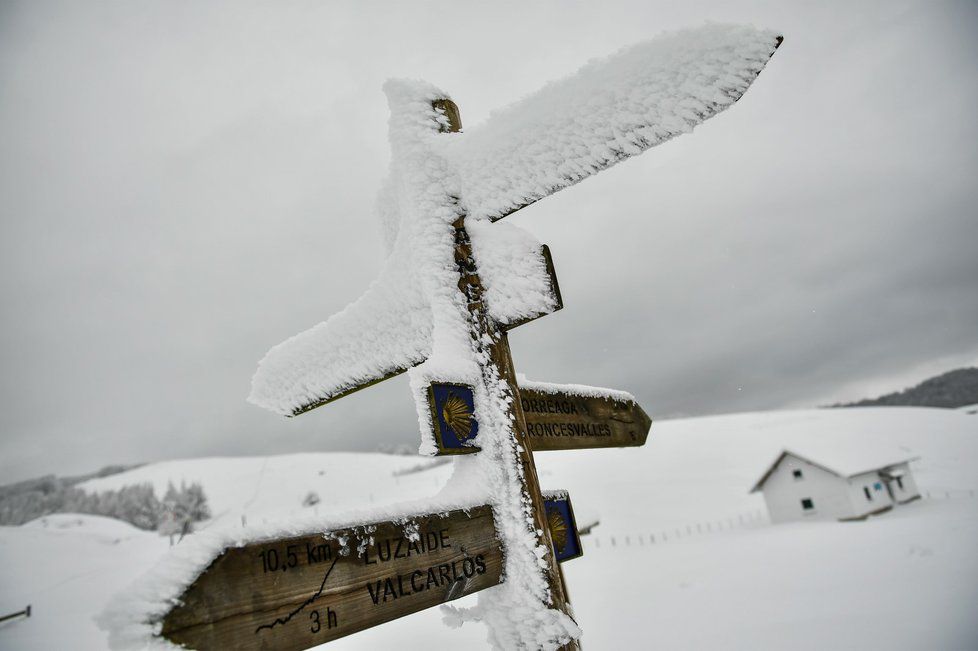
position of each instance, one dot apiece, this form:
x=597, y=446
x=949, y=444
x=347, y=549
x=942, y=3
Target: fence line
x=953, y=493
x=742, y=520
x=26, y=612
x=753, y=519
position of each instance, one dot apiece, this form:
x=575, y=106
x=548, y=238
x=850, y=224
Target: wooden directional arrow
x=562, y=420
x=554, y=292
x=559, y=418
x=506, y=327
x=297, y=593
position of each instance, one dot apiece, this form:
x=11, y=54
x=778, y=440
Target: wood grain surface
x=296, y=593
x=563, y=421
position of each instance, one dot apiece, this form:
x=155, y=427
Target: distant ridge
x=957, y=388
x=51, y=483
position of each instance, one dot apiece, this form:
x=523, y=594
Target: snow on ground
x=905, y=580
x=94, y=526
x=268, y=489
x=67, y=574
x=908, y=580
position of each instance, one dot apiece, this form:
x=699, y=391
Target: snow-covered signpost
x=453, y=284
x=296, y=592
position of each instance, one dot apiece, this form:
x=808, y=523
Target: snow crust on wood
x=389, y=329
x=513, y=272
x=555, y=494
x=518, y=612
x=133, y=618
x=582, y=390
x=420, y=208
x=611, y=109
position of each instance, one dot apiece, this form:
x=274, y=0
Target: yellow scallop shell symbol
x=457, y=416
x=558, y=529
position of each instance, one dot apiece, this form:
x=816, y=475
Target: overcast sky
x=183, y=185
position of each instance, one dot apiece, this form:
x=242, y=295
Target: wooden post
x=22, y=613
x=491, y=340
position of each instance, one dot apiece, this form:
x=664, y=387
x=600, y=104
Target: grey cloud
x=183, y=186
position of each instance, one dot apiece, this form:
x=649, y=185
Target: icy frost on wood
x=578, y=417
x=575, y=389
x=134, y=618
x=440, y=187
x=611, y=109
x=389, y=328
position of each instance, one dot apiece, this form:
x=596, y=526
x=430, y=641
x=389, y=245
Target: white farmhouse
x=797, y=488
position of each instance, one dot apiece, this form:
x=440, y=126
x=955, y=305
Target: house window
x=807, y=504
x=797, y=474
x=900, y=482
x=869, y=496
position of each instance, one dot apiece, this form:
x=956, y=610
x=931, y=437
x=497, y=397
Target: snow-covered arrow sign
x=452, y=283
x=298, y=592
x=573, y=417
x=558, y=417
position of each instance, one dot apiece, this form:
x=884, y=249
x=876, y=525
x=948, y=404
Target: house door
x=887, y=480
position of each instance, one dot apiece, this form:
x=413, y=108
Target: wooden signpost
x=294, y=593
x=555, y=419
x=492, y=345
x=568, y=421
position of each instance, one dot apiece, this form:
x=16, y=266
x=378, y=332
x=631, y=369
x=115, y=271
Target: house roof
x=844, y=465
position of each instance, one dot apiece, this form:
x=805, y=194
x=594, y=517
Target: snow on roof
x=842, y=458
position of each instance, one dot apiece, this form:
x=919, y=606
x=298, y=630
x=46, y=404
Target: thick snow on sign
x=389, y=329
x=574, y=389
x=611, y=109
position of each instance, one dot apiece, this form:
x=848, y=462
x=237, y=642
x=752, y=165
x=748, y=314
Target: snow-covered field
x=905, y=580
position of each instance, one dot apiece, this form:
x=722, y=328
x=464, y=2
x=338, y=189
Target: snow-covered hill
x=906, y=579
